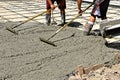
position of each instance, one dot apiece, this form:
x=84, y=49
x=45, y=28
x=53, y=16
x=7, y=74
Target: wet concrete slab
x=25, y=57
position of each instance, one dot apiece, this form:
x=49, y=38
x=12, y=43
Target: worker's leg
x=62, y=7
x=95, y=12
x=88, y=26
x=104, y=8
x=48, y=14
x=63, y=19
x=48, y=18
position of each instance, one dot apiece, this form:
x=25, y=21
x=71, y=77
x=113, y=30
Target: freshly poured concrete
x=25, y=57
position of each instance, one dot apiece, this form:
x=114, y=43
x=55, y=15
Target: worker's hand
x=52, y=6
x=79, y=12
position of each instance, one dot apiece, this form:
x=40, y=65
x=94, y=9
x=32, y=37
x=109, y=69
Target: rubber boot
x=87, y=29
x=48, y=19
x=62, y=19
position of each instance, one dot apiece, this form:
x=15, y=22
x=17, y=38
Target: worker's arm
x=51, y=4
x=79, y=2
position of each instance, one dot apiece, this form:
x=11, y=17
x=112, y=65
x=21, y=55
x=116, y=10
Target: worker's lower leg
x=63, y=17
x=48, y=18
x=88, y=26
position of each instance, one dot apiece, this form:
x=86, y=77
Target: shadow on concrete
x=18, y=26
x=75, y=24
x=65, y=38
x=113, y=45
x=96, y=32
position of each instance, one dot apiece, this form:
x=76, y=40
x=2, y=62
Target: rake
x=11, y=29
x=61, y=28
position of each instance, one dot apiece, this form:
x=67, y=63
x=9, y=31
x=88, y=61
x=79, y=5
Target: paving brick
x=93, y=68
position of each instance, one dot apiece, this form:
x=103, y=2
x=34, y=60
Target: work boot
x=48, y=19
x=62, y=19
x=87, y=29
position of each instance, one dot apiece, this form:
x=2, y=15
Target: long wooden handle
x=74, y=18
x=70, y=21
x=29, y=19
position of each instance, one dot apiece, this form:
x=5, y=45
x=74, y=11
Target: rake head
x=48, y=42
x=11, y=30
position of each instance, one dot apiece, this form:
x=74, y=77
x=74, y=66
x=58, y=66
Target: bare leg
x=88, y=26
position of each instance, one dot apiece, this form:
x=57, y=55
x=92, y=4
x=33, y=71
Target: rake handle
x=70, y=21
x=74, y=18
x=29, y=19
x=52, y=36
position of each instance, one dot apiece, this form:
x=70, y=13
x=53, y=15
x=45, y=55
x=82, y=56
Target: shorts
x=102, y=8
x=61, y=3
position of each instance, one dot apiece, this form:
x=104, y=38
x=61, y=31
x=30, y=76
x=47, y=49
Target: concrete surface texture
x=25, y=57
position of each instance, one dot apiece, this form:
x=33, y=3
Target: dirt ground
x=25, y=57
